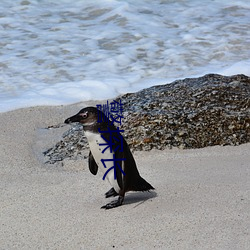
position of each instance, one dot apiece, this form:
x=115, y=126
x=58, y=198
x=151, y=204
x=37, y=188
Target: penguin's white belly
x=94, y=139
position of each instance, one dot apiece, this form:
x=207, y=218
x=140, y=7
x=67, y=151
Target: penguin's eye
x=84, y=115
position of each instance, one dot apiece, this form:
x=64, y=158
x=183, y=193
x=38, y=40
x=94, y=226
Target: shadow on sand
x=138, y=198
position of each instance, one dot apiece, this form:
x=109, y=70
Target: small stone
x=182, y=132
x=147, y=140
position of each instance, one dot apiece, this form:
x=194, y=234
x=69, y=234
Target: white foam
x=242, y=67
x=61, y=52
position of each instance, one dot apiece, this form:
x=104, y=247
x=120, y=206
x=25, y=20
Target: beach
x=57, y=56
x=201, y=198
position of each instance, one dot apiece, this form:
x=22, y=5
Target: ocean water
x=61, y=52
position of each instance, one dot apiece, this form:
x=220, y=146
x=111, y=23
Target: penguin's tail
x=141, y=185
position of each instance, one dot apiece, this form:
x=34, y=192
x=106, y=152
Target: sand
x=201, y=198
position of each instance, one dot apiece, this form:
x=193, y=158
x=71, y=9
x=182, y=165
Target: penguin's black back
x=132, y=180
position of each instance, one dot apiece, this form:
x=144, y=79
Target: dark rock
x=190, y=113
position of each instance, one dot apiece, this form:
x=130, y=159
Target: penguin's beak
x=74, y=118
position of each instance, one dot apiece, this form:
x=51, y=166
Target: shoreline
x=201, y=198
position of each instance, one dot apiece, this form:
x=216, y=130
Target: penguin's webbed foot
x=113, y=204
x=111, y=193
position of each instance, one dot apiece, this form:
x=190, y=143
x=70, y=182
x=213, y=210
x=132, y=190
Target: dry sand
x=201, y=201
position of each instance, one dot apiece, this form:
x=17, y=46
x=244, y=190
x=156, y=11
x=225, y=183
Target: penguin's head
x=87, y=116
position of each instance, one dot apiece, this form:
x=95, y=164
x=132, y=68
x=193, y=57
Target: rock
x=190, y=113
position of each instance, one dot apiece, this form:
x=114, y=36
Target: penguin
x=127, y=174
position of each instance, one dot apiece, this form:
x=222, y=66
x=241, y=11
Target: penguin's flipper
x=93, y=167
x=111, y=193
x=113, y=204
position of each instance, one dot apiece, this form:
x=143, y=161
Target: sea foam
x=63, y=52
